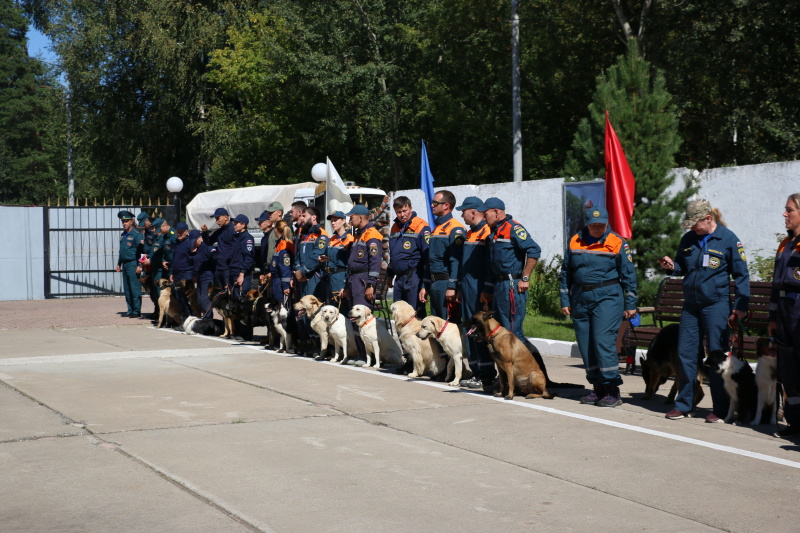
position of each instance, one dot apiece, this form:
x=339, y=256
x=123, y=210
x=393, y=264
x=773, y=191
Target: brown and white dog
x=767, y=380
x=168, y=305
x=519, y=371
x=376, y=337
x=449, y=337
x=425, y=355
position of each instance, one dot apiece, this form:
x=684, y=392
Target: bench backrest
x=669, y=301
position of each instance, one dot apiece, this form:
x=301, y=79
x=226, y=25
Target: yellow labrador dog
x=309, y=305
x=341, y=332
x=376, y=337
x=424, y=353
x=451, y=341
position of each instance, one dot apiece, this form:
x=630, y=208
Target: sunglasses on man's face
x=435, y=203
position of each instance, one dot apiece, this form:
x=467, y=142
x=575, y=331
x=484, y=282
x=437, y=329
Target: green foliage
x=646, y=122
x=648, y=290
x=30, y=117
x=543, y=294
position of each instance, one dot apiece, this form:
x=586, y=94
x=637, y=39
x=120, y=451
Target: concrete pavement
x=121, y=427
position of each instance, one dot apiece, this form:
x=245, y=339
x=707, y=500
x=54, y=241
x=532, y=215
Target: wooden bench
x=668, y=305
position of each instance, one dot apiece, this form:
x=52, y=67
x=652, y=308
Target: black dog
x=208, y=326
x=740, y=384
x=662, y=361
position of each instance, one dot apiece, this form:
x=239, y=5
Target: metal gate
x=81, y=246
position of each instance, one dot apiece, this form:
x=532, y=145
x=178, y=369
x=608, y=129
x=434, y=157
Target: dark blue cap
x=263, y=216
x=336, y=214
x=241, y=218
x=182, y=226
x=493, y=203
x=158, y=222
x=194, y=234
x=470, y=202
x=359, y=210
x=219, y=212
x=142, y=216
x=596, y=215
x=125, y=215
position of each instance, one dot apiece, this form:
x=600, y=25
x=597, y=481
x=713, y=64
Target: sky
x=39, y=46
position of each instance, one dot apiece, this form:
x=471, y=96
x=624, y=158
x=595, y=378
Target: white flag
x=338, y=199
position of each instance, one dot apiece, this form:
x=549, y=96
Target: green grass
x=546, y=327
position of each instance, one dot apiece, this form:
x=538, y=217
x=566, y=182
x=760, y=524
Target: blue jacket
x=408, y=244
x=707, y=268
x=205, y=262
x=281, y=266
x=225, y=239
x=474, y=269
x=366, y=254
x=510, y=245
x=130, y=246
x=182, y=265
x=445, y=250
x=243, y=256
x=310, y=247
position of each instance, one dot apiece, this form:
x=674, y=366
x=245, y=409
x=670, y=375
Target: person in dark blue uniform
x=160, y=256
x=243, y=257
x=784, y=315
x=149, y=233
x=310, y=246
x=130, y=248
x=223, y=238
x=472, y=276
x=513, y=255
x=204, y=262
x=598, y=288
x=364, y=263
x=181, y=269
x=281, y=264
x=409, y=239
x=708, y=256
x=444, y=256
x=335, y=260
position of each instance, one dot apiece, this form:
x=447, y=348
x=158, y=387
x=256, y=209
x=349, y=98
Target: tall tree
x=646, y=123
x=29, y=99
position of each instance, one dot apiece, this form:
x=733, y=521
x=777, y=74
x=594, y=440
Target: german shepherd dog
x=519, y=371
x=229, y=308
x=662, y=362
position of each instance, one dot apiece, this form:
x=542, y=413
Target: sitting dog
x=662, y=362
x=198, y=326
x=766, y=380
x=519, y=371
x=309, y=305
x=740, y=384
x=168, y=306
x=376, y=337
x=341, y=332
x=425, y=354
x=449, y=337
x=279, y=317
x=229, y=309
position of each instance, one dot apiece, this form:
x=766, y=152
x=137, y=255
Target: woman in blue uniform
x=784, y=315
x=336, y=260
x=282, y=259
x=708, y=257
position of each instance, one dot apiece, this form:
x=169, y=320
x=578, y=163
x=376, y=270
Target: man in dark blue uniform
x=364, y=264
x=130, y=248
x=513, y=255
x=204, y=259
x=408, y=252
x=444, y=256
x=241, y=269
x=224, y=238
x=181, y=269
x=472, y=275
x=149, y=233
x=312, y=244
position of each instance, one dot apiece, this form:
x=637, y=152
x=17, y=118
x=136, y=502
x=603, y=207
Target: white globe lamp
x=174, y=184
x=319, y=172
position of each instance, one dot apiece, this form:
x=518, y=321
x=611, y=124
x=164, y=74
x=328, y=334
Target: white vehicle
x=252, y=201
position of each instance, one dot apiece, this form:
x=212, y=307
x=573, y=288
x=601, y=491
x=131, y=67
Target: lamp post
x=175, y=185
x=516, y=115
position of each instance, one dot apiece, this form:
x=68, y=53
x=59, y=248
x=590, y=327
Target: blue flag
x=426, y=182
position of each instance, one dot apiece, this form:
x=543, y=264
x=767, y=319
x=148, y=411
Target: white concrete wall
x=751, y=199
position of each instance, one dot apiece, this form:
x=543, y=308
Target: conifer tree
x=646, y=122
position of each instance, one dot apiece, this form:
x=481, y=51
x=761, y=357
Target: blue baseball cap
x=493, y=203
x=359, y=210
x=263, y=216
x=220, y=212
x=596, y=215
x=336, y=214
x=471, y=202
x=182, y=226
x=241, y=218
x=194, y=234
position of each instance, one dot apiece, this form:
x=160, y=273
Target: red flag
x=620, y=185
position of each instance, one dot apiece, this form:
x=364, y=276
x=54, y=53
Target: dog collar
x=407, y=322
x=489, y=337
x=446, y=322
x=368, y=321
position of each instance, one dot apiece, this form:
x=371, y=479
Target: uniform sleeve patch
x=373, y=249
x=459, y=240
x=249, y=246
x=321, y=244
x=427, y=238
x=287, y=261
x=740, y=249
x=521, y=233
x=628, y=252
